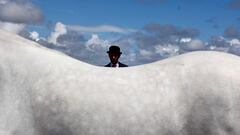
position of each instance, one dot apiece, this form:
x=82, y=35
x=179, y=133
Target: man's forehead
x=114, y=53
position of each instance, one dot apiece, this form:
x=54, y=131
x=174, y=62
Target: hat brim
x=114, y=52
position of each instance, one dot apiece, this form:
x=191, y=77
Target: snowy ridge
x=45, y=92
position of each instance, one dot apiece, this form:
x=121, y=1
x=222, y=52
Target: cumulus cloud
x=100, y=28
x=167, y=50
x=34, y=36
x=91, y=50
x=234, y=42
x=145, y=53
x=85, y=46
x=151, y=43
x=3, y=1
x=12, y=27
x=219, y=43
x=157, y=41
x=60, y=29
x=88, y=48
x=95, y=42
x=15, y=15
x=194, y=45
x=20, y=11
x=185, y=40
x=161, y=34
x=235, y=49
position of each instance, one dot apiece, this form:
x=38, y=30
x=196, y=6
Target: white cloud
x=60, y=29
x=166, y=50
x=20, y=12
x=95, y=42
x=145, y=53
x=194, y=44
x=100, y=28
x=234, y=42
x=137, y=49
x=185, y=40
x=12, y=27
x=3, y=1
x=212, y=47
x=34, y=36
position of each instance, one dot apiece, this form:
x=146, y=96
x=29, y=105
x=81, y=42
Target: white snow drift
x=44, y=92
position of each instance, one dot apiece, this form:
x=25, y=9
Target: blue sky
x=211, y=17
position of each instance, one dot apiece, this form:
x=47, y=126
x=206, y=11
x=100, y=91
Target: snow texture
x=45, y=92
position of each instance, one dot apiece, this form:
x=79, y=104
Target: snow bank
x=44, y=92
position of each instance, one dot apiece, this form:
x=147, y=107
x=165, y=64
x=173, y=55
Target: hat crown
x=115, y=49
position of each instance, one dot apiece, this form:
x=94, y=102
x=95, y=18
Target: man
x=114, y=54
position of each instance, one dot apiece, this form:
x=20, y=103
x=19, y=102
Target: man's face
x=114, y=57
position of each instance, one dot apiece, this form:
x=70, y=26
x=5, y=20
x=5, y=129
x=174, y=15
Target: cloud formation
x=95, y=42
x=194, y=45
x=34, y=36
x=157, y=41
x=20, y=11
x=12, y=27
x=60, y=29
x=151, y=43
x=169, y=31
x=99, y=29
x=88, y=49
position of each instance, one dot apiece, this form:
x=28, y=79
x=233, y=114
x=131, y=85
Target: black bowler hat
x=114, y=49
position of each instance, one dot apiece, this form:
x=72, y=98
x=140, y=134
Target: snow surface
x=45, y=92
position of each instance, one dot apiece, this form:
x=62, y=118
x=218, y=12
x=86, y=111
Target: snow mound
x=45, y=92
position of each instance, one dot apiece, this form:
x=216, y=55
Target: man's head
x=114, y=54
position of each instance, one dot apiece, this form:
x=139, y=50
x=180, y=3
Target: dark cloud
x=157, y=41
x=232, y=32
x=155, y=34
x=193, y=45
x=20, y=11
x=235, y=50
x=169, y=30
x=234, y=4
x=218, y=41
x=87, y=48
x=151, y=43
x=71, y=38
x=76, y=45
